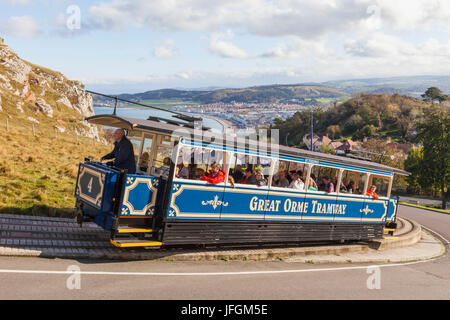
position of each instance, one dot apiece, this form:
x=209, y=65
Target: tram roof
x=161, y=126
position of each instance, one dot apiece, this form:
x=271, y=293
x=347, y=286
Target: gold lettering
x=314, y=202
x=294, y=206
x=272, y=206
x=253, y=203
x=278, y=204
x=319, y=208
x=305, y=207
x=261, y=205
x=287, y=205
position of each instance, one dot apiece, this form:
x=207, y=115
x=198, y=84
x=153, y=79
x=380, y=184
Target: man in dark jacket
x=123, y=153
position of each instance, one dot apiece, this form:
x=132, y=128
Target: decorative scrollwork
x=366, y=210
x=215, y=202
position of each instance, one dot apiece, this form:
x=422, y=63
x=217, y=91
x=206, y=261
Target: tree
x=334, y=131
x=434, y=93
x=413, y=166
x=434, y=135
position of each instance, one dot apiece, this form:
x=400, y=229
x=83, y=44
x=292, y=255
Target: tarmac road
x=234, y=280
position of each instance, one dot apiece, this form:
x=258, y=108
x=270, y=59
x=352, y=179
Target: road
x=231, y=279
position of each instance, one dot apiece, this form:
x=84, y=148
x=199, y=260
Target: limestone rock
x=44, y=107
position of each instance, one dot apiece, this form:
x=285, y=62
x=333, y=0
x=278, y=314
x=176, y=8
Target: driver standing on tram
x=123, y=153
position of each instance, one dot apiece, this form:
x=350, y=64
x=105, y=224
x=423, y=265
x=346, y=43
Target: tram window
x=249, y=169
x=237, y=167
x=381, y=183
x=201, y=160
x=281, y=177
x=185, y=158
x=136, y=146
x=361, y=183
x=162, y=158
x=351, y=182
x=325, y=178
x=145, y=156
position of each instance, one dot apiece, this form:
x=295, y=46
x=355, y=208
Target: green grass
x=426, y=207
x=38, y=173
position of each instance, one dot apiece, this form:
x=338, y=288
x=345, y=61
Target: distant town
x=245, y=115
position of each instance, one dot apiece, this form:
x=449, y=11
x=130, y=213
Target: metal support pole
x=115, y=108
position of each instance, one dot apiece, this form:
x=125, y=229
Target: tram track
x=62, y=237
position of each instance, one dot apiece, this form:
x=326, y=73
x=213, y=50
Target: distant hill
x=412, y=86
x=258, y=94
x=303, y=93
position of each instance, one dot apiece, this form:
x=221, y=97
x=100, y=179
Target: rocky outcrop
x=29, y=88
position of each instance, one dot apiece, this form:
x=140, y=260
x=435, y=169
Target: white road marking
x=442, y=237
x=182, y=274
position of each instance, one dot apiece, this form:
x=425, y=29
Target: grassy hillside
x=38, y=172
x=43, y=137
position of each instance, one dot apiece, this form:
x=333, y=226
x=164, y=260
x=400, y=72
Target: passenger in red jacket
x=371, y=192
x=215, y=175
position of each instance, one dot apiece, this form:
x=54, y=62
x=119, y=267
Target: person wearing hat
x=329, y=186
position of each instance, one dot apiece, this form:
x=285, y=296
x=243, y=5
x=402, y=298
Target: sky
x=117, y=46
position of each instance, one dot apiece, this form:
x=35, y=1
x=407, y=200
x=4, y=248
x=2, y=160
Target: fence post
x=34, y=132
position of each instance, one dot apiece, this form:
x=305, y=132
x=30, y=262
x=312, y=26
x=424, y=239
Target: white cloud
x=382, y=45
x=297, y=48
x=303, y=18
x=23, y=26
x=166, y=50
x=219, y=46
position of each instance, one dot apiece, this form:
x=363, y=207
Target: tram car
x=159, y=207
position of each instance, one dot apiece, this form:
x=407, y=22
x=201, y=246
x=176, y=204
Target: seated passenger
x=281, y=181
x=231, y=181
x=329, y=186
x=165, y=168
x=346, y=183
x=182, y=171
x=143, y=166
x=215, y=175
x=297, y=183
x=312, y=185
x=249, y=177
x=238, y=174
x=351, y=187
x=371, y=192
x=260, y=181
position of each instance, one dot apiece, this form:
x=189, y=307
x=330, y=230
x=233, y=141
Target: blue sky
x=138, y=45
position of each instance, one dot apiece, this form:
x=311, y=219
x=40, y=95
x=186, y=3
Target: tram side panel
x=192, y=212
x=139, y=197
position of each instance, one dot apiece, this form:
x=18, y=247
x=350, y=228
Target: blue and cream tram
x=157, y=207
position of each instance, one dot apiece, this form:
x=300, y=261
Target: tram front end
x=121, y=203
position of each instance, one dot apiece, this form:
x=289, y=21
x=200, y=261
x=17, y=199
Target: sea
x=142, y=113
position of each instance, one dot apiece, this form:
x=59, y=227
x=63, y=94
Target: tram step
x=134, y=230
x=128, y=243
